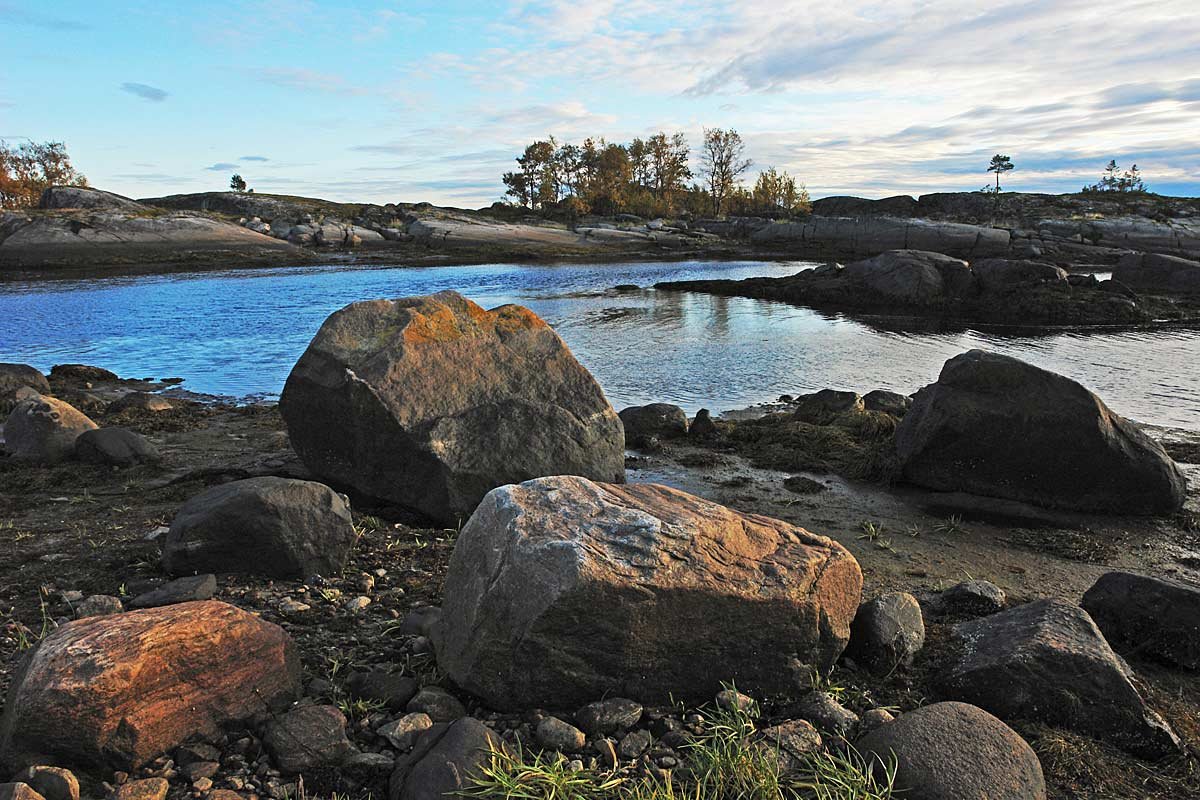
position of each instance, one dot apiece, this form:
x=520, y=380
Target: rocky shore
x=933, y=285
x=86, y=229
x=906, y=593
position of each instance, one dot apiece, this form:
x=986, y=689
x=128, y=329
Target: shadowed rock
x=117, y=447
x=561, y=590
x=279, y=527
x=657, y=420
x=995, y=426
x=1046, y=661
x=1154, y=617
x=443, y=761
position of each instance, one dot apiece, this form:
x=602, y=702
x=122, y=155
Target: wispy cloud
x=221, y=166
x=145, y=91
x=254, y=158
x=308, y=80
x=10, y=14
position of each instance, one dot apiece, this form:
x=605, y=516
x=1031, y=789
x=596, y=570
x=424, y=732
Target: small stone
x=791, y=741
x=402, y=733
x=554, y=734
x=202, y=784
x=356, y=604
x=633, y=744
x=393, y=690
x=821, y=709
x=144, y=789
x=196, y=751
x=973, y=597
x=308, y=737
x=608, y=716
x=289, y=606
x=887, y=633
x=733, y=700
x=180, y=590
x=99, y=605
x=52, y=783
x=201, y=769
x=440, y=705
x=607, y=749
x=872, y=719
x=367, y=765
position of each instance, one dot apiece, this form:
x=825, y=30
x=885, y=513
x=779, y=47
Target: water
x=239, y=332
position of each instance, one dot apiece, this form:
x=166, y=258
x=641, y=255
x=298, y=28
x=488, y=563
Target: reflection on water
x=239, y=332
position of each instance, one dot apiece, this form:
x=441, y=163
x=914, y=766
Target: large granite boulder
x=44, y=429
x=561, y=590
x=995, y=426
x=1154, y=617
x=121, y=690
x=912, y=277
x=1047, y=661
x=956, y=751
x=431, y=402
x=278, y=527
x=1151, y=272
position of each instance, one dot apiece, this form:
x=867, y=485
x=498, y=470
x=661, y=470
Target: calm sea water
x=239, y=332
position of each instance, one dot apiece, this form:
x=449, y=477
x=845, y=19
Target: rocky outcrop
x=561, y=590
x=279, y=527
x=1046, y=661
x=655, y=421
x=930, y=284
x=869, y=236
x=1157, y=273
x=912, y=277
x=430, y=402
x=44, y=429
x=74, y=197
x=1151, y=617
x=1000, y=274
x=1179, y=237
x=110, y=236
x=996, y=426
x=956, y=751
x=121, y=690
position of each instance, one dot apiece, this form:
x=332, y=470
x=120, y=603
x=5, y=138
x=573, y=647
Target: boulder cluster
x=581, y=616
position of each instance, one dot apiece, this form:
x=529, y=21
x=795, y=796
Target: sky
x=431, y=101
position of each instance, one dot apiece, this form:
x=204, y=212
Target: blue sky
x=385, y=101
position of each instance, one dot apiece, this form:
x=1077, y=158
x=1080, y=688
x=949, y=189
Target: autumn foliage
x=31, y=167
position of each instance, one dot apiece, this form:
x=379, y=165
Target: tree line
x=649, y=177
x=30, y=168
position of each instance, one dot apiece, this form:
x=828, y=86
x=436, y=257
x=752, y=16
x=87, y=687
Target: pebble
x=402, y=733
x=440, y=705
x=144, y=789
x=357, y=604
x=608, y=716
x=633, y=744
x=554, y=734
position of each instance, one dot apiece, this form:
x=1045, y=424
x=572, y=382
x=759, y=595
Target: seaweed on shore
x=854, y=444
